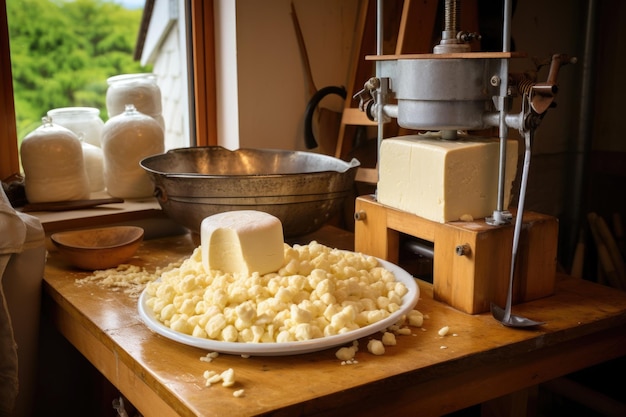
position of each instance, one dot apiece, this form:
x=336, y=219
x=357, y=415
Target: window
x=202, y=75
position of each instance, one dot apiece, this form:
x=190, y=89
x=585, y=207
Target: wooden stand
x=472, y=260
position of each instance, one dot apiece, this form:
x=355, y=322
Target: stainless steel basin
x=302, y=189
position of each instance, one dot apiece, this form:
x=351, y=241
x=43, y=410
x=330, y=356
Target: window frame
x=202, y=77
x=9, y=161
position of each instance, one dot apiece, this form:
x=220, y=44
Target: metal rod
x=451, y=18
x=379, y=51
x=517, y=230
x=503, y=101
x=506, y=30
x=379, y=27
x=421, y=249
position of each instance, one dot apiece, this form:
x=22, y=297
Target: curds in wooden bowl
x=101, y=248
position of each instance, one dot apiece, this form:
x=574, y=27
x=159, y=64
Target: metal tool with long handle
x=538, y=98
x=504, y=315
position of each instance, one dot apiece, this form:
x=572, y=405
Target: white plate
x=288, y=348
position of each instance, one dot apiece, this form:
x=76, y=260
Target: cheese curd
x=317, y=292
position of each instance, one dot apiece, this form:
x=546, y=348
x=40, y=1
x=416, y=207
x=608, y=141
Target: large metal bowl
x=302, y=189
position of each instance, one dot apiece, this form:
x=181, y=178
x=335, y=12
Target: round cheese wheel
x=242, y=241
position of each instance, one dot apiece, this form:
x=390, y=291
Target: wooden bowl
x=100, y=248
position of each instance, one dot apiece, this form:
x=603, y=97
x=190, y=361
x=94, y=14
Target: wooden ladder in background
x=411, y=24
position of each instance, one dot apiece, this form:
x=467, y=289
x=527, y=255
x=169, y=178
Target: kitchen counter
x=425, y=374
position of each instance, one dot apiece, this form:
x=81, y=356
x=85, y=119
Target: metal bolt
x=463, y=250
x=372, y=84
x=360, y=215
x=495, y=81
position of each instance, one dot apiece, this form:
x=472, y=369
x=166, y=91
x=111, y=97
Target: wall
x=265, y=105
x=609, y=87
x=541, y=29
x=579, y=145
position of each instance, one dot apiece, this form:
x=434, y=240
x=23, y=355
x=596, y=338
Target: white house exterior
x=163, y=44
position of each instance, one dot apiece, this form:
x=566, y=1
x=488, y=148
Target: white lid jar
x=84, y=121
x=140, y=89
x=54, y=168
x=126, y=139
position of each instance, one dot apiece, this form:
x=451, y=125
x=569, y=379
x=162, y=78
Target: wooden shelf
x=145, y=213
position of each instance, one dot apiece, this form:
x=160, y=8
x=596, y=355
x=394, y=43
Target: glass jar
x=141, y=90
x=84, y=121
x=126, y=139
x=94, y=165
x=54, y=168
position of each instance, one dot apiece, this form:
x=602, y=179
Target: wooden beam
x=9, y=160
x=203, y=70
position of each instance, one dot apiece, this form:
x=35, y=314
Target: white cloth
x=15, y=228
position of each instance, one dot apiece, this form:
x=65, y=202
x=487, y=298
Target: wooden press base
x=470, y=281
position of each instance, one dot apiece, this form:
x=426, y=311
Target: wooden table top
x=478, y=360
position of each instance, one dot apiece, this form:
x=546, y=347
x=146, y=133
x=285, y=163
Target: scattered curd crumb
x=415, y=318
x=404, y=331
x=443, y=347
x=466, y=218
x=389, y=339
x=238, y=393
x=211, y=377
x=245, y=356
x=209, y=356
x=345, y=353
x=228, y=377
x=131, y=279
x=444, y=331
x=376, y=347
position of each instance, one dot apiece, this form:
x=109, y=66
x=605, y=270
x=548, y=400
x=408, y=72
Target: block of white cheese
x=242, y=241
x=444, y=180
